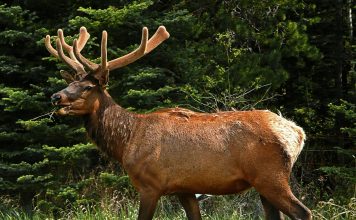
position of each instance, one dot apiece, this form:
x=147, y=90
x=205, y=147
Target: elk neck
x=110, y=126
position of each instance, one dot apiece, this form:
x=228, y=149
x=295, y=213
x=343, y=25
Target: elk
x=232, y=150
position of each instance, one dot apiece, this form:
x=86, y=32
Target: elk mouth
x=63, y=108
x=69, y=108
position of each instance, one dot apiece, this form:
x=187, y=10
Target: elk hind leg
x=190, y=205
x=280, y=196
x=271, y=213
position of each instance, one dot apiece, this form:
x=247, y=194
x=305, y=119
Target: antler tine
x=160, y=36
x=87, y=63
x=78, y=45
x=49, y=47
x=134, y=55
x=104, y=59
x=61, y=37
x=68, y=48
x=74, y=65
x=83, y=38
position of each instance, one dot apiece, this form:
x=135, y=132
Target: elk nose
x=55, y=98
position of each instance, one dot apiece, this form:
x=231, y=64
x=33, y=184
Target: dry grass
x=242, y=207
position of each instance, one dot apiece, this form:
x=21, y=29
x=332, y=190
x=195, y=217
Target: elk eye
x=87, y=88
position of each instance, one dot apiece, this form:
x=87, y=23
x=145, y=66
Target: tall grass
x=330, y=210
x=244, y=207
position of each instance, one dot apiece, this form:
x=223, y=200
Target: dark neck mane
x=110, y=127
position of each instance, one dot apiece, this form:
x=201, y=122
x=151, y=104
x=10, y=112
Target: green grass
x=217, y=208
x=331, y=210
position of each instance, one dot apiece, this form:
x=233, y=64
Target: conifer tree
x=35, y=154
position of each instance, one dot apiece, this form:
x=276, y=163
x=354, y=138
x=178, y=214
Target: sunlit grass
x=216, y=208
x=326, y=210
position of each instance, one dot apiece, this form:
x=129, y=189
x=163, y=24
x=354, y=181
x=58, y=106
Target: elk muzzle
x=56, y=98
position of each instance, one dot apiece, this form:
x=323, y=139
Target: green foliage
x=332, y=210
x=29, y=167
x=111, y=16
x=148, y=88
x=345, y=173
x=349, y=111
x=16, y=99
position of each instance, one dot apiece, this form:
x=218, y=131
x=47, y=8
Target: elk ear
x=67, y=76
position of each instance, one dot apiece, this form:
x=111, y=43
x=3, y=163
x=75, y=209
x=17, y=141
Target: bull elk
x=233, y=151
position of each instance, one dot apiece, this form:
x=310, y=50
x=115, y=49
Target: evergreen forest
x=295, y=58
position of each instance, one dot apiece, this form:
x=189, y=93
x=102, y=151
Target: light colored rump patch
x=290, y=135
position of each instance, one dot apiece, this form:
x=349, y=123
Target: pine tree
x=28, y=166
x=326, y=90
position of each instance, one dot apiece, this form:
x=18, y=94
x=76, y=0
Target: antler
x=72, y=60
x=145, y=47
x=76, y=60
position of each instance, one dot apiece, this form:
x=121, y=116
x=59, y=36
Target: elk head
x=90, y=79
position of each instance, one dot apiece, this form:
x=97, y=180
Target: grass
x=244, y=207
x=330, y=210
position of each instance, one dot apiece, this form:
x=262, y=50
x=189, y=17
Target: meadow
x=240, y=207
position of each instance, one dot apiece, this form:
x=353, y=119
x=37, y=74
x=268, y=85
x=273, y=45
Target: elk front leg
x=190, y=205
x=148, y=203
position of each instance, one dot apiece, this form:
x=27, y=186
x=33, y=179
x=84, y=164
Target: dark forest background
x=289, y=56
